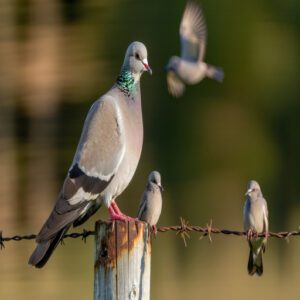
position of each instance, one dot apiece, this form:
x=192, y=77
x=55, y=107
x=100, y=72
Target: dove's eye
x=137, y=56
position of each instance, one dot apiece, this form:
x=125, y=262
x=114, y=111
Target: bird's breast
x=133, y=139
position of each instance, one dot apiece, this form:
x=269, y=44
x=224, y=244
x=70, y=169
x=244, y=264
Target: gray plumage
x=190, y=68
x=255, y=221
x=106, y=158
x=151, y=202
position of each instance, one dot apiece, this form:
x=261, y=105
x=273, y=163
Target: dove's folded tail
x=215, y=73
x=255, y=263
x=44, y=249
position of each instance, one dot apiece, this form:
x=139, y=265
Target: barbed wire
x=84, y=234
x=182, y=230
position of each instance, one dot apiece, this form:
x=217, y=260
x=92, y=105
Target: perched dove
x=190, y=68
x=151, y=202
x=255, y=221
x=107, y=155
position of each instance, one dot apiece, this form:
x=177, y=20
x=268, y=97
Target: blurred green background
x=57, y=57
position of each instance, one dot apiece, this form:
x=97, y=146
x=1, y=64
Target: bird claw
x=121, y=217
x=115, y=214
x=154, y=230
x=250, y=234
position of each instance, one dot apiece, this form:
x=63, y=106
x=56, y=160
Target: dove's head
x=136, y=59
x=253, y=189
x=173, y=64
x=155, y=178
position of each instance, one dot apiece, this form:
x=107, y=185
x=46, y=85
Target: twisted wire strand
x=182, y=230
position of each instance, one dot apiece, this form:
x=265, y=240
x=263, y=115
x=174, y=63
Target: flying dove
x=190, y=68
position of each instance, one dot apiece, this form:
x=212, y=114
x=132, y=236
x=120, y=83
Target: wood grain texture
x=122, y=261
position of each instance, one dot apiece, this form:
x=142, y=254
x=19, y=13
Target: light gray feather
x=193, y=33
x=176, y=87
x=256, y=219
x=151, y=201
x=101, y=146
x=190, y=68
x=106, y=158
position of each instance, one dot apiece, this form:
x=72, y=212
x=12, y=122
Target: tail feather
x=215, y=73
x=44, y=249
x=255, y=263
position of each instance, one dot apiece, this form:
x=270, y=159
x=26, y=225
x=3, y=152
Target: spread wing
x=193, y=33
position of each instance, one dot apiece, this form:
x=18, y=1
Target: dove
x=190, y=68
x=151, y=201
x=106, y=158
x=255, y=222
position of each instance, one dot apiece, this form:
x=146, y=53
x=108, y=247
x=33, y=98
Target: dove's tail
x=215, y=73
x=44, y=249
x=255, y=263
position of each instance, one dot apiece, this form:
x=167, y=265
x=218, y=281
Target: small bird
x=255, y=221
x=106, y=158
x=190, y=68
x=151, y=202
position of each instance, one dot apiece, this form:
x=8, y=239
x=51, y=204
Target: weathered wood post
x=122, y=261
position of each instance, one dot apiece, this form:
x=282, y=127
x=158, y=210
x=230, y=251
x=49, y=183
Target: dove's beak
x=248, y=192
x=161, y=187
x=146, y=65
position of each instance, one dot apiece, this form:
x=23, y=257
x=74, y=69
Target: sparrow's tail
x=44, y=249
x=255, y=263
x=215, y=73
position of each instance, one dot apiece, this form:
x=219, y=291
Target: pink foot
x=154, y=230
x=251, y=234
x=115, y=214
x=116, y=208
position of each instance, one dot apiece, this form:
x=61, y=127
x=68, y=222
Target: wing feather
x=99, y=153
x=101, y=147
x=175, y=85
x=193, y=33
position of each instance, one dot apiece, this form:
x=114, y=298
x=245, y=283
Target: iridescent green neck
x=126, y=82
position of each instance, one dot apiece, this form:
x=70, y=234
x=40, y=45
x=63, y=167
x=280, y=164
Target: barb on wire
x=183, y=231
x=209, y=230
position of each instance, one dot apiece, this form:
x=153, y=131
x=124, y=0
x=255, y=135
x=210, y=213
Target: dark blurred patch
x=72, y=10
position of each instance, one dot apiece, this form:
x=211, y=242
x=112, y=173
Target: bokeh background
x=57, y=57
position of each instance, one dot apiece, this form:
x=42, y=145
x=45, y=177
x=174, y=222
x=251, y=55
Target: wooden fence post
x=122, y=261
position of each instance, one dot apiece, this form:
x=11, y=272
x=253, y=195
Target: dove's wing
x=143, y=206
x=193, y=33
x=175, y=85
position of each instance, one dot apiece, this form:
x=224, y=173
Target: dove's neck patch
x=126, y=82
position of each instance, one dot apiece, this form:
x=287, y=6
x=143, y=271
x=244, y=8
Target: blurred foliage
x=57, y=57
